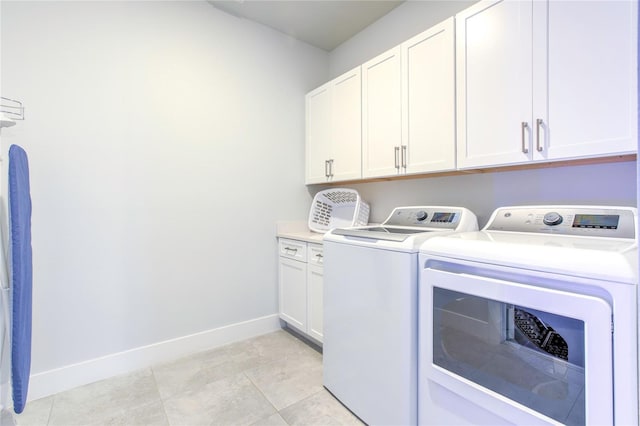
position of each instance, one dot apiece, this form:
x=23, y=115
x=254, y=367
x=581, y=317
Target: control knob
x=552, y=219
x=421, y=215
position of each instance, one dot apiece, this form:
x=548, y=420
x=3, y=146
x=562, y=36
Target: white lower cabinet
x=300, y=286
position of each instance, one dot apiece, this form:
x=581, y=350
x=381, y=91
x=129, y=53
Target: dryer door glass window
x=530, y=356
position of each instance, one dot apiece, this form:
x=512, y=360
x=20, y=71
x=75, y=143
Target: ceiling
x=321, y=23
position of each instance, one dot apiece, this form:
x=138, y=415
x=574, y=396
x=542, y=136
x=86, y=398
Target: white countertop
x=297, y=230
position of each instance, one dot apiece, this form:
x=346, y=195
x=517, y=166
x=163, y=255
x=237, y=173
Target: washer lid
x=385, y=233
x=610, y=259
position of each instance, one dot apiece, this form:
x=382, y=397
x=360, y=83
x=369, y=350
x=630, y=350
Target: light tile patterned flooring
x=274, y=379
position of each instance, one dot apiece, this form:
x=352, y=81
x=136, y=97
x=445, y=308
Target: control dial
x=552, y=219
x=421, y=215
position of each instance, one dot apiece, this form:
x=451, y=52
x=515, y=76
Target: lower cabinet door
x=293, y=292
x=314, y=289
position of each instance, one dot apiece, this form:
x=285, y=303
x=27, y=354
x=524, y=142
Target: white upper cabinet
x=586, y=92
x=408, y=108
x=381, y=115
x=545, y=80
x=347, y=127
x=333, y=130
x=506, y=82
x=318, y=134
x=428, y=100
x=494, y=89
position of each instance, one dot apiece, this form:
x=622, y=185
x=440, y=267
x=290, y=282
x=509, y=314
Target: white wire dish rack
x=10, y=112
x=337, y=208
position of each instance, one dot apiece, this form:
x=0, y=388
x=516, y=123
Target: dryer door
x=525, y=354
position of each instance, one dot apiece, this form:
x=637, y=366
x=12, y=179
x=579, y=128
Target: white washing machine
x=532, y=320
x=371, y=311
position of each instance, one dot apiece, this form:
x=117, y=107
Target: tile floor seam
x=164, y=409
x=262, y=393
x=303, y=399
x=274, y=363
x=53, y=401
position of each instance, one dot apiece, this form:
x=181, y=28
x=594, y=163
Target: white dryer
x=532, y=320
x=371, y=310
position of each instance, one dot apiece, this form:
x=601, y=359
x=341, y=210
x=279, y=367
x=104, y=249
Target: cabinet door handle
x=326, y=168
x=524, y=126
x=288, y=249
x=539, y=124
x=396, y=153
x=404, y=157
x=331, y=167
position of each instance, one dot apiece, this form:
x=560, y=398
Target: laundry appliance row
x=531, y=320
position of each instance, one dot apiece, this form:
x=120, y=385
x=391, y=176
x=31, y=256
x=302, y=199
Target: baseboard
x=61, y=379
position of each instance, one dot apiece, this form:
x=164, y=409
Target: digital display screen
x=601, y=221
x=443, y=217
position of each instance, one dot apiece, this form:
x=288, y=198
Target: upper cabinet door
x=346, y=144
x=381, y=115
x=428, y=100
x=334, y=130
x=318, y=134
x=585, y=78
x=493, y=82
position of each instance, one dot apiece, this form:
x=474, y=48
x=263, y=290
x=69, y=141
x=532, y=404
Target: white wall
x=165, y=140
x=5, y=362
x=607, y=184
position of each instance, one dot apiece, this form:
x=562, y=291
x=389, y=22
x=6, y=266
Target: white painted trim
x=64, y=378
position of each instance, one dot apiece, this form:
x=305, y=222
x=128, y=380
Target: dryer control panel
x=591, y=221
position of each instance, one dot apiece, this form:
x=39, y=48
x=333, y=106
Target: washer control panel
x=611, y=222
x=427, y=217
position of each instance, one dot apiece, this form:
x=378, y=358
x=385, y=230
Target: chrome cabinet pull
x=396, y=152
x=331, y=167
x=404, y=157
x=326, y=168
x=538, y=126
x=525, y=126
x=288, y=249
